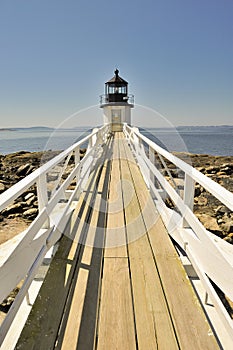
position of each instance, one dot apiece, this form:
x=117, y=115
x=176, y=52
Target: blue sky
x=56, y=55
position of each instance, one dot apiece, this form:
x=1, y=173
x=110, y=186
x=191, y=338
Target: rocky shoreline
x=213, y=215
x=13, y=168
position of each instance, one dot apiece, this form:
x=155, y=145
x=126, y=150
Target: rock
x=22, y=170
x=31, y=200
x=2, y=187
x=221, y=210
x=210, y=224
x=220, y=173
x=223, y=177
x=35, y=204
x=12, y=209
x=212, y=169
x=29, y=195
x=52, y=177
x=179, y=183
x=225, y=165
x=228, y=227
x=227, y=169
x=228, y=239
x=197, y=191
x=30, y=213
x=201, y=169
x=12, y=216
x=30, y=170
x=201, y=201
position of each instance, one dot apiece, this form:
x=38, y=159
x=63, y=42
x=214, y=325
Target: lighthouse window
x=117, y=90
x=111, y=90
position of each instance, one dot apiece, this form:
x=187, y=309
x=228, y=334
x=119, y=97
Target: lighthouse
x=116, y=103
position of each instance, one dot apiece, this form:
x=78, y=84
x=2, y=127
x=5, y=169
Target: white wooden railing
x=211, y=258
x=43, y=233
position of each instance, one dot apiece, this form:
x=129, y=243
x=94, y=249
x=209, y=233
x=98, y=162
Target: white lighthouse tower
x=116, y=102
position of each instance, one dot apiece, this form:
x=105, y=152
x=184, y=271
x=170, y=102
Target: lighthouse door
x=116, y=120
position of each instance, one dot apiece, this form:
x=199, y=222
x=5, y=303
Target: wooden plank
x=47, y=311
x=192, y=328
x=82, y=310
x=115, y=244
x=73, y=323
x=116, y=321
x=191, y=325
x=151, y=313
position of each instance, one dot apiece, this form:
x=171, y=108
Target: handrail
x=42, y=234
x=16, y=190
x=207, y=256
x=217, y=190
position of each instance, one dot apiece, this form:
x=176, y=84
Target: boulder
x=23, y=169
x=12, y=209
x=52, y=177
x=227, y=169
x=30, y=170
x=212, y=169
x=228, y=227
x=221, y=173
x=228, y=239
x=2, y=187
x=35, y=204
x=197, y=191
x=31, y=200
x=201, y=169
x=201, y=200
x=29, y=195
x=30, y=213
x=224, y=165
x=221, y=210
x=210, y=224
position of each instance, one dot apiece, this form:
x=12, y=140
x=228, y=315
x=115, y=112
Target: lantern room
x=116, y=89
x=116, y=102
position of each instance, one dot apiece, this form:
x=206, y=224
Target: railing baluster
x=189, y=188
x=76, y=161
x=152, y=159
x=42, y=195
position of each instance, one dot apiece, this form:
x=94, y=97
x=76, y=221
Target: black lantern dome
x=116, y=89
x=116, y=92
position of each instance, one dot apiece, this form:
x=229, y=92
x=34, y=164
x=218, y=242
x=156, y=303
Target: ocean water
x=39, y=139
x=213, y=140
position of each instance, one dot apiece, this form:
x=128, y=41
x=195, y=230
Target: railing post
x=137, y=144
x=42, y=195
x=76, y=162
x=189, y=189
x=152, y=160
x=90, y=142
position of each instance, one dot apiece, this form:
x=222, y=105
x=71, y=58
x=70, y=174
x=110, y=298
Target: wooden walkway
x=123, y=287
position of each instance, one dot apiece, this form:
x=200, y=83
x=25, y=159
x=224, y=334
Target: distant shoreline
x=193, y=139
